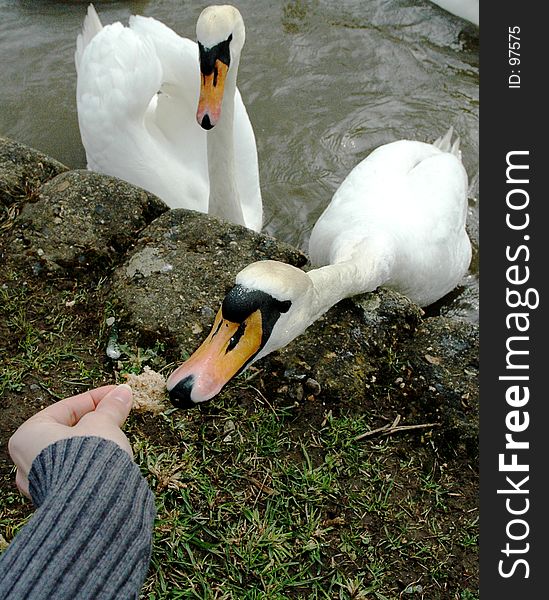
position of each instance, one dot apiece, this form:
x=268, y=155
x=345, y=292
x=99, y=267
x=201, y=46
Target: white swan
x=141, y=90
x=466, y=9
x=397, y=220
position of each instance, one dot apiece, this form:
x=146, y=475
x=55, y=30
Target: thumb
x=116, y=405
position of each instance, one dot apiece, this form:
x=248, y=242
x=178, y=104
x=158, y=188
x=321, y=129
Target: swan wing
x=368, y=201
x=129, y=129
x=432, y=248
x=408, y=201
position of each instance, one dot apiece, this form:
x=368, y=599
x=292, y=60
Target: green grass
x=44, y=341
x=255, y=500
x=248, y=512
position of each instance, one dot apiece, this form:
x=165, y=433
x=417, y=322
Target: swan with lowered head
x=397, y=220
x=140, y=92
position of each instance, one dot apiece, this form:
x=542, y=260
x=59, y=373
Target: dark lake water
x=324, y=83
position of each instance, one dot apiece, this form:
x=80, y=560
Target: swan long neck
x=224, y=200
x=335, y=282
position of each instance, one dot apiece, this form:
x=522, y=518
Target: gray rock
x=442, y=377
x=346, y=348
x=23, y=170
x=83, y=222
x=376, y=354
x=171, y=284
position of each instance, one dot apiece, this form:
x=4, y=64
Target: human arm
x=90, y=536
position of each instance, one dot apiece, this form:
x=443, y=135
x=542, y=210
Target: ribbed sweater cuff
x=91, y=535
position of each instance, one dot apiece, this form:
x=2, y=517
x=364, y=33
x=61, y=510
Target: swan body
x=466, y=9
x=141, y=90
x=397, y=220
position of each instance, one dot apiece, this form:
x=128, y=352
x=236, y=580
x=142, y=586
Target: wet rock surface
x=23, y=170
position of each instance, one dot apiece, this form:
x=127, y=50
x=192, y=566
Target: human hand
x=99, y=412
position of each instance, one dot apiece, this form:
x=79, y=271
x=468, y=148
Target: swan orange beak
x=224, y=353
x=212, y=87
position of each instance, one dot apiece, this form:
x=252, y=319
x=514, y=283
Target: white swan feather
x=397, y=220
x=137, y=95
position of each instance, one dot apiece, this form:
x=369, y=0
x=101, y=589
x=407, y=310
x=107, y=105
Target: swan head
x=264, y=311
x=220, y=34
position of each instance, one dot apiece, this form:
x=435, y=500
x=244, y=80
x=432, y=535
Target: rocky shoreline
x=358, y=441
x=166, y=271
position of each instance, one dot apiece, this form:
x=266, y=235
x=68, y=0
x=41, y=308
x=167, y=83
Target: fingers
x=112, y=401
x=70, y=410
x=99, y=412
x=116, y=405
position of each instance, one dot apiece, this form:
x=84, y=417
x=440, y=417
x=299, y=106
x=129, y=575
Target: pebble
x=207, y=312
x=313, y=386
x=414, y=589
x=113, y=350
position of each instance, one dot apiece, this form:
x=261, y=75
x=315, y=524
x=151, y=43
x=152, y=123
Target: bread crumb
x=149, y=391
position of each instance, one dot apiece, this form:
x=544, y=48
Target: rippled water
x=324, y=82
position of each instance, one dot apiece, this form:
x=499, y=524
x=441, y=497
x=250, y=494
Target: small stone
x=207, y=312
x=113, y=350
x=62, y=186
x=414, y=589
x=313, y=386
x=229, y=426
x=433, y=360
x=228, y=430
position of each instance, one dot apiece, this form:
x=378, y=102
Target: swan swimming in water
x=141, y=90
x=397, y=220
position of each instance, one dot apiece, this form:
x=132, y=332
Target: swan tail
x=91, y=27
x=445, y=143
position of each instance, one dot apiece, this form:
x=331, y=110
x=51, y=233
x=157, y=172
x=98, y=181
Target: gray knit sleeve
x=90, y=537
